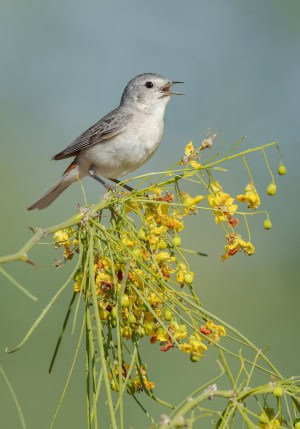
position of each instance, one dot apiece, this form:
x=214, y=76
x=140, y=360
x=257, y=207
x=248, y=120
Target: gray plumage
x=109, y=126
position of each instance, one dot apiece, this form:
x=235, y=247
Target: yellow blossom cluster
x=136, y=383
x=148, y=305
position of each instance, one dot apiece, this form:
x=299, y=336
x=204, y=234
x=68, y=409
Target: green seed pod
x=271, y=189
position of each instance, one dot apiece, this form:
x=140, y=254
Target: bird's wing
x=109, y=126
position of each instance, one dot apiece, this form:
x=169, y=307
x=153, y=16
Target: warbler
x=121, y=141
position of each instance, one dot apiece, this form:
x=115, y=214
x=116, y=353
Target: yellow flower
x=195, y=345
x=139, y=385
x=77, y=286
x=235, y=243
x=222, y=202
x=190, y=156
x=185, y=348
x=61, y=237
x=173, y=223
x=149, y=384
x=162, y=209
x=162, y=334
x=127, y=332
x=104, y=262
x=149, y=328
x=162, y=257
x=180, y=332
x=103, y=278
x=132, y=206
x=250, y=196
x=127, y=241
x=216, y=331
x=154, y=299
x=190, y=202
x=156, y=190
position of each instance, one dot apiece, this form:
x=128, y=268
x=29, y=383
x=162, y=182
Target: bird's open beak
x=166, y=89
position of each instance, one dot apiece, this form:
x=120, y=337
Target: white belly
x=123, y=153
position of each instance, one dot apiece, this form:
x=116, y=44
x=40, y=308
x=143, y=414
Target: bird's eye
x=149, y=84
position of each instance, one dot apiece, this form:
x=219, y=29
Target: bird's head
x=148, y=92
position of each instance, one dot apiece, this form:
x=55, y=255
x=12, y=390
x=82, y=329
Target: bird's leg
x=106, y=185
x=129, y=188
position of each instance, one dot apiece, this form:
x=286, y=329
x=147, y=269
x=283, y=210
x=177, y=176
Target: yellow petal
x=189, y=149
x=195, y=164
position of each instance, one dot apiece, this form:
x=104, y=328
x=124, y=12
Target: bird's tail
x=70, y=175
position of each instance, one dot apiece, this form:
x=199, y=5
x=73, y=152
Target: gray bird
x=120, y=142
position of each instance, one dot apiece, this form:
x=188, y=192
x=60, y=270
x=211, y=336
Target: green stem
x=14, y=397
x=17, y=284
x=70, y=373
x=99, y=331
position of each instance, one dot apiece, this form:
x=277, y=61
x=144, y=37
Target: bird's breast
x=126, y=151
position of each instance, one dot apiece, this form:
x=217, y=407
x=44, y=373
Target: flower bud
x=267, y=224
x=189, y=278
x=125, y=300
x=114, y=313
x=162, y=245
x=141, y=234
x=271, y=190
x=278, y=392
x=103, y=314
x=137, y=252
x=263, y=418
x=168, y=315
x=176, y=241
x=131, y=319
x=194, y=357
x=281, y=169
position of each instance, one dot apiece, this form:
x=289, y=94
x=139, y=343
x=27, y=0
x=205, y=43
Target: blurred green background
x=63, y=66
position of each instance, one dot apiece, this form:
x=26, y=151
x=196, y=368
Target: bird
x=121, y=141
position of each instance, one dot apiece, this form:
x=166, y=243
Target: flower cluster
x=149, y=304
x=235, y=243
x=136, y=383
x=67, y=238
x=135, y=274
x=223, y=204
x=250, y=196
